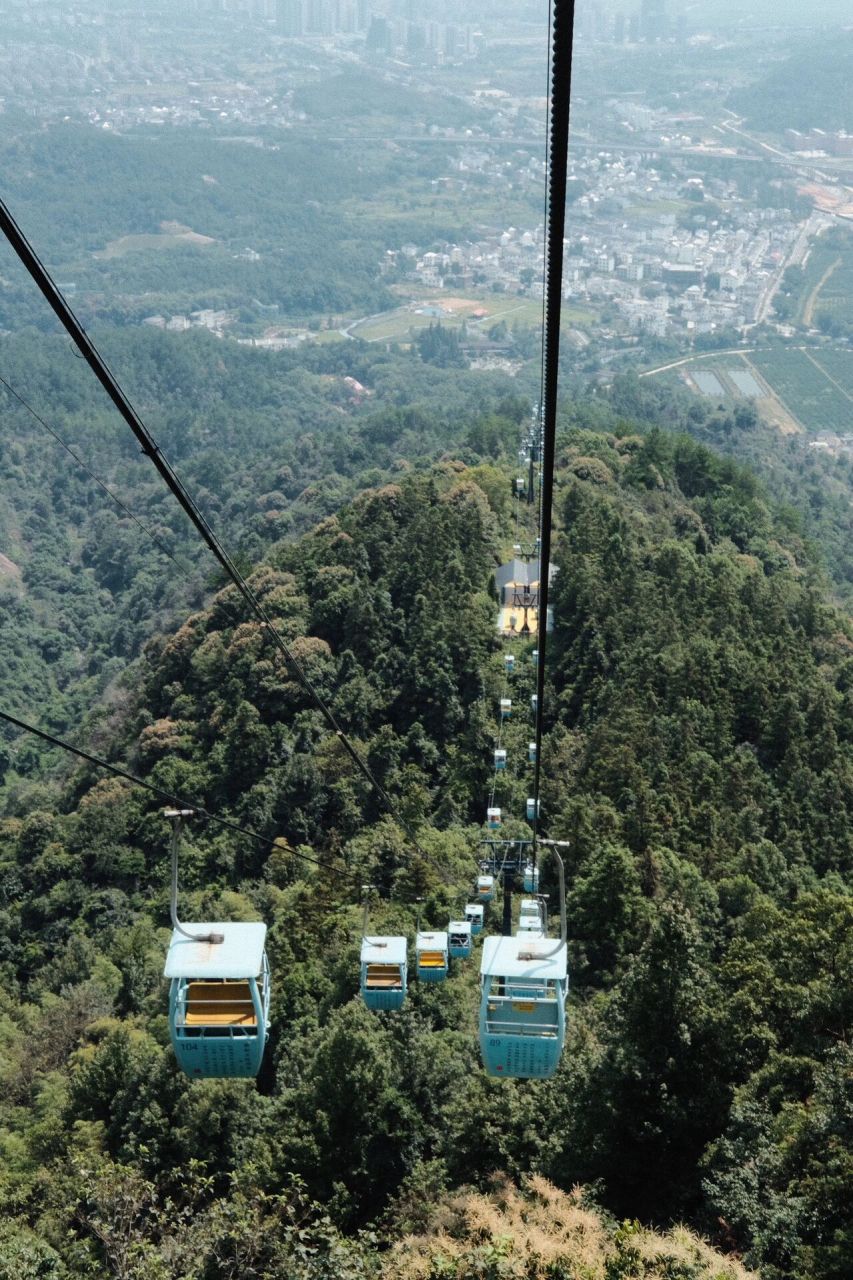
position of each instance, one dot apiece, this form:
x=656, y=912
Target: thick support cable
x=561, y=87
x=63, y=312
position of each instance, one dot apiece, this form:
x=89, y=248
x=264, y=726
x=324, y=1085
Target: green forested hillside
x=82, y=586
x=778, y=100
x=698, y=756
x=270, y=223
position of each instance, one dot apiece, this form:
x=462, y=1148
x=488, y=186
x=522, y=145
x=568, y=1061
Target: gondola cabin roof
x=459, y=926
x=238, y=956
x=431, y=941
x=525, y=958
x=378, y=950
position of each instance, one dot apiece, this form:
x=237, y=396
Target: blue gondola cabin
x=531, y=753
x=431, y=957
x=384, y=972
x=459, y=939
x=530, y=878
x=219, y=999
x=474, y=912
x=500, y=759
x=530, y=910
x=506, y=708
x=509, y=663
x=485, y=888
x=522, y=1006
x=533, y=808
x=493, y=819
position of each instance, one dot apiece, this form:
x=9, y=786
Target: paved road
x=795, y=257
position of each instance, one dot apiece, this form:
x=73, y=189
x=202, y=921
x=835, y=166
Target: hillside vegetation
x=541, y=1233
x=82, y=585
x=778, y=100
x=698, y=756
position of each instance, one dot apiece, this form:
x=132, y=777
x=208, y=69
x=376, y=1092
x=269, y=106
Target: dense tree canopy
x=697, y=756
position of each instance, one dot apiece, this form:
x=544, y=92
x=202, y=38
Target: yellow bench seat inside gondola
x=220, y=1004
x=383, y=977
x=431, y=959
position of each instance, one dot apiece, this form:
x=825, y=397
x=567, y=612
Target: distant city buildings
x=817, y=141
x=652, y=20
x=627, y=253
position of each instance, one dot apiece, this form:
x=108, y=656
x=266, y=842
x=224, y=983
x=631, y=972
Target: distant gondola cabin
x=219, y=999
x=493, y=819
x=531, y=753
x=506, y=708
x=530, y=909
x=527, y=929
x=530, y=878
x=384, y=972
x=474, y=915
x=431, y=957
x=500, y=758
x=485, y=888
x=459, y=939
x=509, y=663
x=533, y=809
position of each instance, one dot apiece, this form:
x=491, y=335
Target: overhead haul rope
x=561, y=86
x=178, y=802
x=545, y=222
x=63, y=312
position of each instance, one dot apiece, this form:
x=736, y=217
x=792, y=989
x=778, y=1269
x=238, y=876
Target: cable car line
x=561, y=84
x=152, y=450
x=179, y=802
x=219, y=998
x=545, y=218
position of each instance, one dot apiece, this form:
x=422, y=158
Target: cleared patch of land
x=172, y=235
x=478, y=313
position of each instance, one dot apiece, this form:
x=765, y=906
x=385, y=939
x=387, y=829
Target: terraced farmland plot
x=807, y=389
x=827, y=284
x=838, y=363
x=835, y=294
